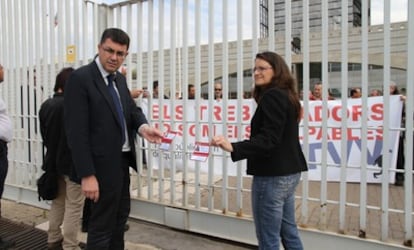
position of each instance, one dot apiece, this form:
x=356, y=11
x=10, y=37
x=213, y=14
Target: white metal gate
x=181, y=42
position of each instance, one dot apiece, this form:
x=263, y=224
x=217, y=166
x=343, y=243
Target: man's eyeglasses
x=260, y=69
x=217, y=89
x=119, y=54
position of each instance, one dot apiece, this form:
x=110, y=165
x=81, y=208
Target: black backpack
x=47, y=186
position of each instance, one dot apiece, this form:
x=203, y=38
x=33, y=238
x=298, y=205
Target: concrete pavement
x=143, y=235
x=140, y=236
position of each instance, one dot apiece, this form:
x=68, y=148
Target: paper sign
x=70, y=53
x=167, y=140
x=201, y=151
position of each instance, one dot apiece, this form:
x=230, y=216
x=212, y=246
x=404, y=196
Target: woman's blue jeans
x=273, y=201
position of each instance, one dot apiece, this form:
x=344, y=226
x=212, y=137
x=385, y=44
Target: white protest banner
x=333, y=132
x=170, y=117
x=167, y=117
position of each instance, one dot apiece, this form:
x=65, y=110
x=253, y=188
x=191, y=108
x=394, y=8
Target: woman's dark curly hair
x=282, y=79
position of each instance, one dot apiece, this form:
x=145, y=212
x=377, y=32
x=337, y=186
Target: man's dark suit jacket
x=93, y=131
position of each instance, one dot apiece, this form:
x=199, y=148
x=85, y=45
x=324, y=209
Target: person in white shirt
x=6, y=135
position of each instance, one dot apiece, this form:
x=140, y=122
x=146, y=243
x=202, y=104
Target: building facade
x=315, y=16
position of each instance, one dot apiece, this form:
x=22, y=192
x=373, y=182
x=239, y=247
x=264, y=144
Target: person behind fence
x=66, y=208
x=273, y=152
x=399, y=176
x=355, y=93
x=375, y=92
x=101, y=122
x=317, y=92
x=6, y=135
x=218, y=91
x=191, y=92
x=155, y=90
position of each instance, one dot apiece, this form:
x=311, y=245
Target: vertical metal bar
x=324, y=165
x=186, y=114
x=12, y=75
x=240, y=64
x=139, y=33
x=344, y=84
x=173, y=28
x=409, y=147
x=128, y=62
x=9, y=76
x=197, y=77
x=110, y=20
x=118, y=18
x=305, y=105
x=53, y=30
x=40, y=40
x=77, y=36
x=34, y=82
x=29, y=87
x=255, y=28
x=43, y=84
x=128, y=24
x=185, y=65
x=40, y=47
x=160, y=64
x=68, y=23
x=210, y=88
x=84, y=43
x=224, y=101
x=97, y=25
x=43, y=13
x=60, y=34
x=174, y=52
x=15, y=76
x=150, y=65
x=364, y=131
x=135, y=25
x=271, y=21
x=29, y=41
x=386, y=143
x=19, y=71
x=288, y=33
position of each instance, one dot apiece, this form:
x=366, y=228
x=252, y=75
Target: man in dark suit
x=101, y=120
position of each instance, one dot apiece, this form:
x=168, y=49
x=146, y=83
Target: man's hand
x=90, y=187
x=151, y=134
x=135, y=93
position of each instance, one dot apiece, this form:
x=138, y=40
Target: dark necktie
x=117, y=103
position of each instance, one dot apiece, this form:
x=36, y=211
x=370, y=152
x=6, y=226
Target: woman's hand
x=222, y=142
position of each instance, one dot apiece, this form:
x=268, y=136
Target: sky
x=398, y=13
x=168, y=31
x=398, y=10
